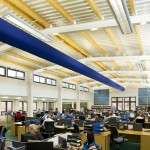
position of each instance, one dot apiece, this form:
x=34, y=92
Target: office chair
x=3, y=130
x=49, y=128
x=115, y=138
x=76, y=128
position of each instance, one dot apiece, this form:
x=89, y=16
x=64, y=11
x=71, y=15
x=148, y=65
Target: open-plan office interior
x=89, y=56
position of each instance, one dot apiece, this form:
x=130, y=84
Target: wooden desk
x=142, y=137
x=21, y=130
x=72, y=128
x=102, y=139
x=3, y=123
x=14, y=126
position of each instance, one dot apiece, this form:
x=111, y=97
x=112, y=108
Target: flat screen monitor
x=39, y=146
x=27, y=137
x=88, y=122
x=82, y=117
x=62, y=142
x=65, y=122
x=132, y=115
x=79, y=122
x=142, y=121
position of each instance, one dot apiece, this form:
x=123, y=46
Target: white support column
x=30, y=95
x=78, y=97
x=0, y=107
x=91, y=101
x=59, y=101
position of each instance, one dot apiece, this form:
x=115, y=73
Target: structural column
x=30, y=95
x=78, y=97
x=16, y=105
x=73, y=105
x=59, y=102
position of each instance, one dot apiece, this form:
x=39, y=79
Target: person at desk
x=33, y=130
x=90, y=143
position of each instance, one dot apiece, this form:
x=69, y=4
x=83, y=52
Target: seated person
x=90, y=143
x=18, y=114
x=33, y=130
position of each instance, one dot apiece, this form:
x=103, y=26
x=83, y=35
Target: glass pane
x=11, y=73
x=48, y=81
x=114, y=105
x=126, y=106
x=20, y=74
x=2, y=71
x=114, y=99
x=120, y=106
x=133, y=99
x=133, y=106
x=63, y=84
x=126, y=99
x=42, y=80
x=25, y=106
x=53, y=82
x=119, y=99
x=20, y=106
x=3, y=106
x=70, y=86
x=9, y=106
x=36, y=78
x=34, y=105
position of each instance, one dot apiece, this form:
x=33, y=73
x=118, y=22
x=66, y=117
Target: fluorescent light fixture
x=26, y=27
x=121, y=14
x=5, y=97
x=94, y=29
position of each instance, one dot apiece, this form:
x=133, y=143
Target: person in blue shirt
x=90, y=143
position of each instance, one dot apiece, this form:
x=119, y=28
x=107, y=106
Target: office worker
x=90, y=143
x=33, y=130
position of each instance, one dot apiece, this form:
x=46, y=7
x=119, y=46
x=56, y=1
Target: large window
x=6, y=106
x=23, y=106
x=12, y=73
x=48, y=106
x=117, y=103
x=130, y=103
x=101, y=97
x=68, y=85
x=84, y=89
x=2, y=71
x=44, y=80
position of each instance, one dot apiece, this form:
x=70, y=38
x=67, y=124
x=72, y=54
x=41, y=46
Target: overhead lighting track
x=20, y=23
x=120, y=11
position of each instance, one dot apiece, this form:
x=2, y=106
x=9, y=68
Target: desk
x=72, y=128
x=140, y=136
x=14, y=126
x=21, y=130
x=3, y=123
x=102, y=139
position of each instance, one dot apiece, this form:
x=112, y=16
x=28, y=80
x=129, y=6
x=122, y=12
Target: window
x=2, y=71
x=12, y=73
x=6, y=106
x=23, y=106
x=34, y=106
x=84, y=89
x=47, y=106
x=68, y=85
x=44, y=80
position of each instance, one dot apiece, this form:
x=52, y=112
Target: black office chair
x=49, y=128
x=115, y=138
x=76, y=128
x=3, y=130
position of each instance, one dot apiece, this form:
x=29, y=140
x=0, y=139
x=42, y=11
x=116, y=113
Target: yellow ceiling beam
x=17, y=63
x=99, y=48
x=115, y=41
x=137, y=29
x=63, y=72
x=25, y=58
x=53, y=74
x=30, y=12
x=61, y=10
x=95, y=9
x=71, y=42
x=132, y=6
x=21, y=13
x=116, y=65
x=69, y=45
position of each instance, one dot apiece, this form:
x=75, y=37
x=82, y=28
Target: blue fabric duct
x=18, y=38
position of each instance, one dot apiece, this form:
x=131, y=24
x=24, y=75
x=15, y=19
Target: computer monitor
x=82, y=117
x=39, y=145
x=132, y=115
x=142, y=121
x=62, y=142
x=27, y=137
x=79, y=122
x=89, y=122
x=65, y=122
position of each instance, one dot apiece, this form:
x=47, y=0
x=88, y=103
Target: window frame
x=4, y=71
x=68, y=85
